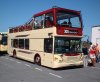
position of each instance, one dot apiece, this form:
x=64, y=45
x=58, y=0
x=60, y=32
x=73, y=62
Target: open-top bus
x=51, y=38
x=3, y=42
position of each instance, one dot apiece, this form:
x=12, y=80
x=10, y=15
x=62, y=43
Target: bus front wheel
x=37, y=60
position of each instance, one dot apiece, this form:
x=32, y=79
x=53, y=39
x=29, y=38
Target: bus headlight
x=58, y=59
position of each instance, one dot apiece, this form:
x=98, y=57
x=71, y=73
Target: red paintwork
x=53, y=9
x=72, y=54
x=73, y=31
x=20, y=28
x=27, y=52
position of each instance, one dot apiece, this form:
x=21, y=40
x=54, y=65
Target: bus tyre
x=37, y=60
x=14, y=53
x=81, y=66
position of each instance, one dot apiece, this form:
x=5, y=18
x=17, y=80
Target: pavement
x=17, y=70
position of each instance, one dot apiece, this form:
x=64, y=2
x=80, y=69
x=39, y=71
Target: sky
x=17, y=12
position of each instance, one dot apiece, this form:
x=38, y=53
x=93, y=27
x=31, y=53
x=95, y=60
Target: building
x=95, y=38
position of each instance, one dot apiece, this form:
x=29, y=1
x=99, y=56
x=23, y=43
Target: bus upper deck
x=67, y=22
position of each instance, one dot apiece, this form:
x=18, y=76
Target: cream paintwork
x=3, y=48
x=36, y=45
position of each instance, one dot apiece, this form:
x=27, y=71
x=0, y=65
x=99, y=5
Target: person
x=85, y=52
x=64, y=23
x=97, y=53
x=92, y=54
x=48, y=22
x=37, y=23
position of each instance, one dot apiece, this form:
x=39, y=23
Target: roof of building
x=96, y=26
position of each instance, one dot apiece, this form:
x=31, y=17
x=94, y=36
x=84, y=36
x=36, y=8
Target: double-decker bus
x=51, y=38
x=3, y=42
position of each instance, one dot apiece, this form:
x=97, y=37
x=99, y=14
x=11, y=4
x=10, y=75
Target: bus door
x=48, y=48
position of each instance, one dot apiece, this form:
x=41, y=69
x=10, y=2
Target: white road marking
x=27, y=65
x=17, y=62
x=38, y=69
x=5, y=58
x=96, y=67
x=11, y=60
x=55, y=75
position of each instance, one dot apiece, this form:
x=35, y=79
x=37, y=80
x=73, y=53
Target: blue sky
x=17, y=12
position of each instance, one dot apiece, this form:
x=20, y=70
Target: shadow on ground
x=3, y=54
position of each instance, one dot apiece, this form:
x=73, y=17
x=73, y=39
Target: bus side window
x=15, y=43
x=38, y=22
x=26, y=43
x=21, y=43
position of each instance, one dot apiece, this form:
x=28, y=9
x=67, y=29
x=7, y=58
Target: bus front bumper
x=64, y=64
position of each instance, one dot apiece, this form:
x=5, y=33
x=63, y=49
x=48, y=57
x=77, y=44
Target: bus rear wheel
x=14, y=53
x=37, y=60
